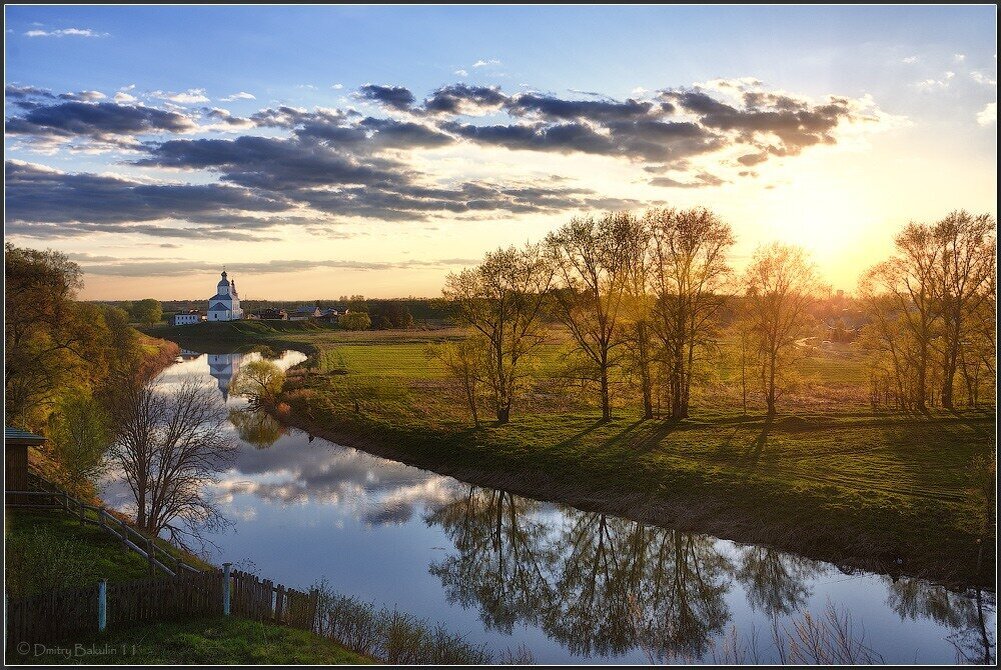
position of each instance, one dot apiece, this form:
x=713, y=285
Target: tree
x=355, y=321
x=39, y=346
x=503, y=299
x=780, y=283
x=147, y=311
x=262, y=381
x=172, y=441
x=591, y=257
x=688, y=270
x=79, y=433
x=640, y=347
x=467, y=363
x=967, y=264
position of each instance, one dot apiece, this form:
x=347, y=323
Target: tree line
x=646, y=300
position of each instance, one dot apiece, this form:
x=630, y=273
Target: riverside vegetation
x=758, y=408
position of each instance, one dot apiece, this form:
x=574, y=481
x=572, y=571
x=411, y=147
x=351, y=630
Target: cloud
x=988, y=114
x=190, y=97
x=44, y=202
x=65, y=32
x=238, y=96
x=337, y=87
x=928, y=85
x=467, y=99
x=910, y=60
x=83, y=96
x=702, y=179
x=461, y=73
x=106, y=123
x=487, y=63
x=393, y=97
x=981, y=78
x=958, y=58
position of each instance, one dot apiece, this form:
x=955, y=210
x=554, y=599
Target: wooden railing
x=46, y=495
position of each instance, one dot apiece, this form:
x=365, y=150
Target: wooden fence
x=45, y=495
x=74, y=614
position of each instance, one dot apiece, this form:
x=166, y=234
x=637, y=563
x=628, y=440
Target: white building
x=186, y=318
x=225, y=304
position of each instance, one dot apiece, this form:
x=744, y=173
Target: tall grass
x=391, y=636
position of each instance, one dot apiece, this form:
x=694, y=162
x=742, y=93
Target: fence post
x=149, y=555
x=102, y=605
x=225, y=588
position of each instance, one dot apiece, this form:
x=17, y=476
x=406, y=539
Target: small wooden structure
x=15, y=452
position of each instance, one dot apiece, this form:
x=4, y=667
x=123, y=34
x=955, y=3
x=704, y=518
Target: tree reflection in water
x=503, y=557
x=600, y=585
x=605, y=586
x=964, y=613
x=256, y=427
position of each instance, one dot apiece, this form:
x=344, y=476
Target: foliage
x=503, y=300
x=262, y=380
x=355, y=321
x=79, y=434
x=147, y=311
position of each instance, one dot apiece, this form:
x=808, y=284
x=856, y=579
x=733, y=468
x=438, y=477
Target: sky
x=316, y=152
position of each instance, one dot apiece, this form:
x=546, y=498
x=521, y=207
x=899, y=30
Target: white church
x=225, y=304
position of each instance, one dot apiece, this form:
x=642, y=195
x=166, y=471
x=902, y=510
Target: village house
x=186, y=318
x=270, y=314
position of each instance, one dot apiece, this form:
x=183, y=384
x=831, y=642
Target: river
x=510, y=572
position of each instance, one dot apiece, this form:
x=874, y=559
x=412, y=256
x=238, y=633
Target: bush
x=356, y=321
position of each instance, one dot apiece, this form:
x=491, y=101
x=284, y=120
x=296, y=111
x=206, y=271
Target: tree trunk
x=606, y=406
x=503, y=414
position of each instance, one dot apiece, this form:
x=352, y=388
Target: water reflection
x=506, y=570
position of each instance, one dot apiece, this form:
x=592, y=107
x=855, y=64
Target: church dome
x=223, y=281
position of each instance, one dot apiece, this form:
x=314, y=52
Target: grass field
x=829, y=476
x=209, y=640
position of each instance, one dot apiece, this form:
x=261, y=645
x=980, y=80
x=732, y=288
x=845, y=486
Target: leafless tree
x=172, y=441
x=503, y=299
x=780, y=283
x=591, y=256
x=688, y=272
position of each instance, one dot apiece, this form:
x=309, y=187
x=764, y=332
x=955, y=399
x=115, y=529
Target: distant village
x=225, y=306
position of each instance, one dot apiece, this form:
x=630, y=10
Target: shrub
x=38, y=560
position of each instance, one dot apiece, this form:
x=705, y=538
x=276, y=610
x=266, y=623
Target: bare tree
x=592, y=260
x=172, y=441
x=967, y=263
x=502, y=299
x=688, y=270
x=780, y=283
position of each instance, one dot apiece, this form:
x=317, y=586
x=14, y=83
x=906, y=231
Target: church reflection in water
x=223, y=367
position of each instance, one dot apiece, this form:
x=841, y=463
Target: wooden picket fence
x=261, y=600
x=68, y=614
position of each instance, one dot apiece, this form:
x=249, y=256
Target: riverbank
x=888, y=494
x=828, y=478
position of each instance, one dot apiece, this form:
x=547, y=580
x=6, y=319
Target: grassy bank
x=829, y=477
x=210, y=640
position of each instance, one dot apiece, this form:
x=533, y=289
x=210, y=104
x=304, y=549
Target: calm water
x=570, y=586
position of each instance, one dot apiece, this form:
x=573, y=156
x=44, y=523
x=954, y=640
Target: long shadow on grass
x=753, y=454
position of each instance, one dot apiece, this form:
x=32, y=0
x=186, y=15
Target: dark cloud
x=41, y=202
x=103, y=121
x=83, y=96
x=458, y=99
x=394, y=97
x=552, y=108
x=794, y=124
